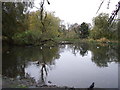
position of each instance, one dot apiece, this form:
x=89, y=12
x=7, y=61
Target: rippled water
x=65, y=65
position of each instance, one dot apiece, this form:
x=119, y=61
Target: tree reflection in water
x=82, y=48
x=15, y=61
x=42, y=72
x=19, y=59
x=102, y=54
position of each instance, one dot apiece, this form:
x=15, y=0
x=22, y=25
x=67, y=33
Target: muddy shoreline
x=25, y=83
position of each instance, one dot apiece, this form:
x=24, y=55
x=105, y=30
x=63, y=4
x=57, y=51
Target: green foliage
x=77, y=31
x=101, y=20
x=13, y=16
x=83, y=30
x=35, y=35
x=34, y=22
x=23, y=27
x=100, y=28
x=51, y=24
x=118, y=30
x=27, y=37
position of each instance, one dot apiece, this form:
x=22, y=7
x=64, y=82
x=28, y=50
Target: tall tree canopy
x=13, y=16
x=100, y=28
x=51, y=24
x=83, y=29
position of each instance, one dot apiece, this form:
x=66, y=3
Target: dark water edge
x=18, y=57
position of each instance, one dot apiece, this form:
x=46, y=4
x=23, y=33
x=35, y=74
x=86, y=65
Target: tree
x=34, y=35
x=83, y=30
x=13, y=16
x=51, y=24
x=33, y=21
x=118, y=29
x=103, y=29
x=101, y=26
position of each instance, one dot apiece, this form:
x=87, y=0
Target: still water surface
x=64, y=65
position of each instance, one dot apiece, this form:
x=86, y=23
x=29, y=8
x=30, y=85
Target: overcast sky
x=78, y=11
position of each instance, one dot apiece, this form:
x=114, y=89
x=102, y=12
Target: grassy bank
x=21, y=41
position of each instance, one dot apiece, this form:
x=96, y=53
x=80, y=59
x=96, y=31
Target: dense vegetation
x=14, y=18
x=26, y=28
x=103, y=29
x=34, y=33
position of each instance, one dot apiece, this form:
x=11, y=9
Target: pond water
x=74, y=65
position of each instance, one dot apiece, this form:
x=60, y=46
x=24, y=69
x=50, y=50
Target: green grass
x=18, y=86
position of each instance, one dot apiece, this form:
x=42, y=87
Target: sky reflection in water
x=71, y=67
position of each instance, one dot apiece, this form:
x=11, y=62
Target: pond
x=73, y=65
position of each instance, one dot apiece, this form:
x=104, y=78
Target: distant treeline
x=20, y=26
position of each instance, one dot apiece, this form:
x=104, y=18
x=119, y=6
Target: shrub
x=27, y=37
x=104, y=40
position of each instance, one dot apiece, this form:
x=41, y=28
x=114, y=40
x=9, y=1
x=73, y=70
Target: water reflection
x=43, y=64
x=81, y=48
x=102, y=54
x=20, y=58
x=38, y=72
